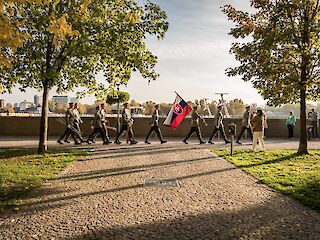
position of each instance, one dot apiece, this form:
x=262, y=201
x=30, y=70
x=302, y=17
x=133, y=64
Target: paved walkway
x=104, y=197
x=271, y=143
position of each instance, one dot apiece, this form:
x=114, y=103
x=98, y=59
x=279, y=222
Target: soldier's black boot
x=147, y=142
x=59, y=141
x=163, y=141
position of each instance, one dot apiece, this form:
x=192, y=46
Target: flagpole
x=178, y=95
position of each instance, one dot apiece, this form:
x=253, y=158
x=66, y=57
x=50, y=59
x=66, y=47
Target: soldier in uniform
x=314, y=123
x=218, y=126
x=70, y=130
x=104, y=124
x=99, y=127
x=127, y=123
x=195, y=122
x=246, y=124
x=155, y=126
x=76, y=124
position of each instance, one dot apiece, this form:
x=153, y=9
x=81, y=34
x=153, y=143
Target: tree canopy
x=69, y=42
x=280, y=56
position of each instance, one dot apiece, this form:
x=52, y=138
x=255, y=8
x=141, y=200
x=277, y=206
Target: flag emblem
x=178, y=109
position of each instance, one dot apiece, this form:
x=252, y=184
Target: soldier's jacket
x=76, y=116
x=195, y=119
x=70, y=118
x=246, y=119
x=313, y=116
x=218, y=119
x=155, y=118
x=126, y=117
x=103, y=116
x=97, y=120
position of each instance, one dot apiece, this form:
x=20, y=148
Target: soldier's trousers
x=242, y=132
x=70, y=132
x=77, y=127
x=222, y=132
x=198, y=132
x=158, y=132
x=125, y=128
x=314, y=129
x=98, y=131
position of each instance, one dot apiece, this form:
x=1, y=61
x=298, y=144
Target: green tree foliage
x=281, y=54
x=115, y=97
x=70, y=42
x=236, y=107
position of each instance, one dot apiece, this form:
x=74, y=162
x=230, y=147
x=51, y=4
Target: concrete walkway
x=104, y=197
x=271, y=143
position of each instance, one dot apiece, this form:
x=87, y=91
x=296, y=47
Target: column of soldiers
x=101, y=125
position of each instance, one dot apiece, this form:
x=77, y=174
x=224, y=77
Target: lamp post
x=118, y=106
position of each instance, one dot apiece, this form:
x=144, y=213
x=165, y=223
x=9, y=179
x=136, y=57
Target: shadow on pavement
x=266, y=221
x=127, y=170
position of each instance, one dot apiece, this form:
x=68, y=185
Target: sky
x=192, y=58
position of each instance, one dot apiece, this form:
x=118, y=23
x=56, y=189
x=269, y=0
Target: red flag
x=178, y=112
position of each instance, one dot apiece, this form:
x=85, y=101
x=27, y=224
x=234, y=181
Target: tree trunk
x=303, y=144
x=43, y=145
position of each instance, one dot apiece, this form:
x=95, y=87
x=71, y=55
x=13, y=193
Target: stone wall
x=29, y=126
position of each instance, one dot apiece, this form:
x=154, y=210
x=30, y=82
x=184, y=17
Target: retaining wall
x=29, y=126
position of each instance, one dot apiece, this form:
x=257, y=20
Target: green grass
x=22, y=170
x=283, y=170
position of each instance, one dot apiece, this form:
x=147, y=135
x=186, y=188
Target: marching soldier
x=127, y=123
x=195, y=122
x=99, y=128
x=218, y=126
x=70, y=129
x=155, y=126
x=104, y=124
x=314, y=123
x=77, y=122
x=246, y=124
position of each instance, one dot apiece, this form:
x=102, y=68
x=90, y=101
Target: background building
x=37, y=100
x=24, y=105
x=74, y=100
x=60, y=99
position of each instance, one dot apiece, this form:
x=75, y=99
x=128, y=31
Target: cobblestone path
x=104, y=197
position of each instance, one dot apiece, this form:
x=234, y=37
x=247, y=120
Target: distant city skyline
x=192, y=58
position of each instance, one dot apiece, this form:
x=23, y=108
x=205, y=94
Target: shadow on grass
x=26, y=171
x=10, y=153
x=308, y=194
x=265, y=162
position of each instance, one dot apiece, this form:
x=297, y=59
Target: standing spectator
x=314, y=122
x=258, y=123
x=246, y=124
x=291, y=121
